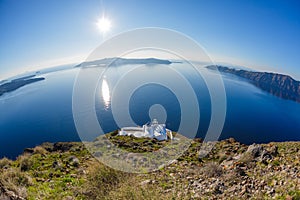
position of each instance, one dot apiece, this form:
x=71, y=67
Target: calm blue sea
x=42, y=111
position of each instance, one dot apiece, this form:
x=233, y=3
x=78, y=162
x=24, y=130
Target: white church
x=150, y=130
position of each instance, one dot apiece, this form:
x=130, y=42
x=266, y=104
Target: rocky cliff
x=279, y=85
x=17, y=83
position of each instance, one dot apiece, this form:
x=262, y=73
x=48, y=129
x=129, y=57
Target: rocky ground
x=231, y=170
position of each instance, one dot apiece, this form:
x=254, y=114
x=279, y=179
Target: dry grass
x=247, y=159
x=40, y=150
x=106, y=183
x=212, y=169
x=180, y=180
x=133, y=190
x=101, y=180
x=4, y=162
x=16, y=181
x=24, y=162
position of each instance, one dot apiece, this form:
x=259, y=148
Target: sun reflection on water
x=105, y=93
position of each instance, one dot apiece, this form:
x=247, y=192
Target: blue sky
x=257, y=34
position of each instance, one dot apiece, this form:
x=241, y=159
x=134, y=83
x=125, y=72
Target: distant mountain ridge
x=123, y=61
x=280, y=85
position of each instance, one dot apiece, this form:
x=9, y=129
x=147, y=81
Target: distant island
x=17, y=83
x=280, y=85
x=123, y=61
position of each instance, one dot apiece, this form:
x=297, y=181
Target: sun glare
x=104, y=24
x=105, y=93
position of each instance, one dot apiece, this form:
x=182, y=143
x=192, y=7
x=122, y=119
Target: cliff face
x=17, y=83
x=279, y=85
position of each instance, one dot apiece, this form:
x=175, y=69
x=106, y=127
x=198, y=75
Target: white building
x=152, y=130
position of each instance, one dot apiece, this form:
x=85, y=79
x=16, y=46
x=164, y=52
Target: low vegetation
x=229, y=171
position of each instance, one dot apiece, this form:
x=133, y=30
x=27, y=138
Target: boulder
x=62, y=146
x=28, y=151
x=273, y=150
x=73, y=161
x=56, y=165
x=255, y=150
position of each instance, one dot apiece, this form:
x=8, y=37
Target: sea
x=43, y=111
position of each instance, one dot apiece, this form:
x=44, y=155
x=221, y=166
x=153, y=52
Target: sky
x=263, y=35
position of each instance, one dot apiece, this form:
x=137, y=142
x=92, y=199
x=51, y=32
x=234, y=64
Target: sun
x=104, y=24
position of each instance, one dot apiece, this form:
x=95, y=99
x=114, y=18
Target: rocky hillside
x=230, y=171
x=279, y=85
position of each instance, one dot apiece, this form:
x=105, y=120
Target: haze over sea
x=42, y=111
